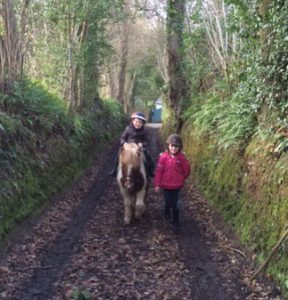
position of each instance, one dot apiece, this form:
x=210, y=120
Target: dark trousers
x=150, y=165
x=171, y=198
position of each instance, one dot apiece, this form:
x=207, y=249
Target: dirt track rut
x=79, y=247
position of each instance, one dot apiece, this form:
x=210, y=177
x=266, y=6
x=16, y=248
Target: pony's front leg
x=128, y=210
x=140, y=205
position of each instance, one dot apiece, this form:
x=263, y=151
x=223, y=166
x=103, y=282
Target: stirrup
x=112, y=173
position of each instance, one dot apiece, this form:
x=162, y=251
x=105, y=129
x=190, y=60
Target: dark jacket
x=133, y=135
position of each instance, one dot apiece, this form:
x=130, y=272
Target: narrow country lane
x=79, y=248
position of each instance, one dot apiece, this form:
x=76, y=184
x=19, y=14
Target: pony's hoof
x=140, y=209
x=139, y=216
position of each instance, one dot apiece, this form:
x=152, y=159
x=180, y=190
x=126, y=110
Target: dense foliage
x=232, y=90
x=236, y=117
x=148, y=85
x=62, y=43
x=43, y=146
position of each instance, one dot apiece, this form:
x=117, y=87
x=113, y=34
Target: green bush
x=43, y=146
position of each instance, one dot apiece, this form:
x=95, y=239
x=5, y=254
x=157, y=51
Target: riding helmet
x=138, y=115
x=174, y=139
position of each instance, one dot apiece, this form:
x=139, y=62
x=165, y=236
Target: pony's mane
x=130, y=155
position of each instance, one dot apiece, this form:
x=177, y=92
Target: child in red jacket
x=171, y=171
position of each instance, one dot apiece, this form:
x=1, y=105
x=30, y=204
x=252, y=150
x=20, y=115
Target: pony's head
x=131, y=168
x=130, y=154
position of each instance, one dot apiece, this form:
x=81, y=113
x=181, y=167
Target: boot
x=113, y=172
x=176, y=218
x=167, y=214
x=167, y=211
x=150, y=171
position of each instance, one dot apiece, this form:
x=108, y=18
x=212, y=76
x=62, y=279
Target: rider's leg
x=150, y=163
x=113, y=172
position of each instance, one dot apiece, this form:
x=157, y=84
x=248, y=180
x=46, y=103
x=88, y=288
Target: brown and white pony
x=132, y=181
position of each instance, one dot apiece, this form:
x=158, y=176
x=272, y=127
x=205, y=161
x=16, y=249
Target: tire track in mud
x=41, y=282
x=48, y=268
x=205, y=278
x=88, y=250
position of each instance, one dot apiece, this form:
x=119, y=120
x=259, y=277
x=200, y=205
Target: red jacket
x=171, y=172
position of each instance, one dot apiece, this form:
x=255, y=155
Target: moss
x=199, y=149
x=39, y=161
x=218, y=175
x=226, y=180
x=249, y=188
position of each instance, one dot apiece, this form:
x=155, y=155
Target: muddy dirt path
x=79, y=248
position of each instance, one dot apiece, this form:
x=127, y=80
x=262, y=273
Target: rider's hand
x=157, y=189
x=140, y=147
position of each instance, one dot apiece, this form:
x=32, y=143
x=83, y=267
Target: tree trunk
x=263, y=12
x=112, y=82
x=123, y=64
x=80, y=71
x=177, y=90
x=130, y=91
x=10, y=48
x=71, y=73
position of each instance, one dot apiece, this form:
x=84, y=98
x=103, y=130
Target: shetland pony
x=132, y=181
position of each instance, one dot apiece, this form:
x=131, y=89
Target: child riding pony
x=132, y=180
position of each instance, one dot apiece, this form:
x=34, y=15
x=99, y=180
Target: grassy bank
x=43, y=147
x=249, y=186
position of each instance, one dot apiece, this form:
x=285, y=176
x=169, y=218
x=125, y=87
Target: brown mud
x=79, y=248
